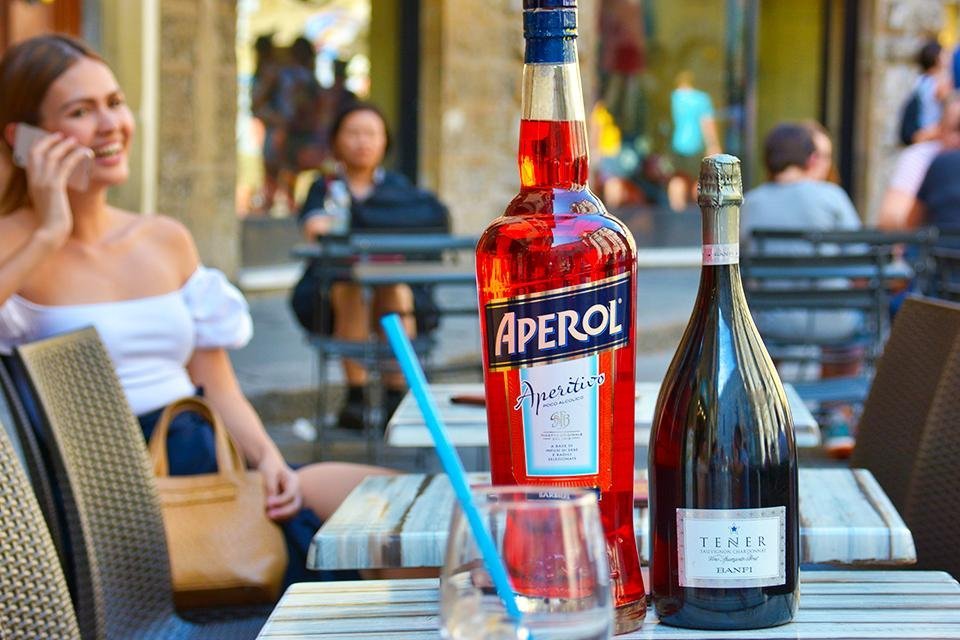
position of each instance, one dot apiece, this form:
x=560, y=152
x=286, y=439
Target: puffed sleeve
x=220, y=313
x=14, y=326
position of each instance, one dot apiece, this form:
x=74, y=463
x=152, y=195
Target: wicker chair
x=902, y=392
x=119, y=551
x=31, y=453
x=34, y=601
x=932, y=508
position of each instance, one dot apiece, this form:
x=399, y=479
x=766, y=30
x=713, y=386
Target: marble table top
x=401, y=521
x=833, y=605
x=467, y=424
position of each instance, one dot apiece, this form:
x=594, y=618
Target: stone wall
x=472, y=57
x=196, y=164
x=892, y=33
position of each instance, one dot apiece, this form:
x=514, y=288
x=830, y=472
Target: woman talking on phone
x=68, y=260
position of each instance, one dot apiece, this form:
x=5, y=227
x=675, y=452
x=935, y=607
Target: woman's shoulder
x=170, y=238
x=15, y=228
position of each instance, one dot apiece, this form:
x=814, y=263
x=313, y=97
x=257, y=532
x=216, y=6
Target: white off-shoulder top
x=149, y=339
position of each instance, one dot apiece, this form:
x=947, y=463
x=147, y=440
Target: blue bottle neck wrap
x=551, y=35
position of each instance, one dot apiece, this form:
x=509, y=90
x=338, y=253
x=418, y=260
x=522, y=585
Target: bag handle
x=229, y=460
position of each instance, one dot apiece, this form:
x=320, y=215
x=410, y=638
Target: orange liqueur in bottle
x=557, y=282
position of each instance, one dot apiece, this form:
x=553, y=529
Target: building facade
x=448, y=75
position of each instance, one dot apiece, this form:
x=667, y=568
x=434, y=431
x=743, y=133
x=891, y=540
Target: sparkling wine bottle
x=723, y=463
x=557, y=277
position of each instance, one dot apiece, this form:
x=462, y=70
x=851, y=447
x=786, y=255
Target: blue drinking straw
x=450, y=460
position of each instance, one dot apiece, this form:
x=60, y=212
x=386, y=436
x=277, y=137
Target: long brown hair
x=27, y=70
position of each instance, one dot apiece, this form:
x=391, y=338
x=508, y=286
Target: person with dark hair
x=938, y=198
x=791, y=200
x=69, y=260
x=262, y=107
x=922, y=113
x=822, y=167
x=363, y=196
x=900, y=198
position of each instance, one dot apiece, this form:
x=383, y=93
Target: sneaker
x=351, y=415
x=391, y=400
x=837, y=441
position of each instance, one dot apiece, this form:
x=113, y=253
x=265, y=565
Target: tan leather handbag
x=223, y=548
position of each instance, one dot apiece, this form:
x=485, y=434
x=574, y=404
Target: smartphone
x=25, y=136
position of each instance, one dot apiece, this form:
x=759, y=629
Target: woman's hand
x=50, y=162
x=282, y=487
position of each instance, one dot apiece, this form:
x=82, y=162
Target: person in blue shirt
x=694, y=135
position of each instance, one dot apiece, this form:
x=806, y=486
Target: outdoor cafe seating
x=426, y=260
x=902, y=484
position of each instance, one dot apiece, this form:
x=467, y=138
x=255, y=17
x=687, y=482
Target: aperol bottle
x=557, y=279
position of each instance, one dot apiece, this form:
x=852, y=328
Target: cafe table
x=834, y=605
x=467, y=424
x=401, y=522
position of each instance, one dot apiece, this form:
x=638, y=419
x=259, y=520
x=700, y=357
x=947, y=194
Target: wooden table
x=401, y=521
x=467, y=424
x=833, y=605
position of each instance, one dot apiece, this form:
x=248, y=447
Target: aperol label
x=560, y=324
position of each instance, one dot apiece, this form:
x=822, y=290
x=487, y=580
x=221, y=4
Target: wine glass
x=554, y=550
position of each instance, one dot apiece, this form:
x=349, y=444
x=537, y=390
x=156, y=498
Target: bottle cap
x=720, y=181
x=549, y=4
x=550, y=29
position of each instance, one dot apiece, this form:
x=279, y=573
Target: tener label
x=714, y=254
x=730, y=548
x=561, y=422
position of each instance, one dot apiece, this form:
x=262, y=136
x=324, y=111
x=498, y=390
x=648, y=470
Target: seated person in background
x=792, y=200
x=821, y=166
x=911, y=167
x=363, y=196
x=69, y=260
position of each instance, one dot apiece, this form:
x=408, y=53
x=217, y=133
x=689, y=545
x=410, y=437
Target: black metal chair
x=827, y=276
x=945, y=283
x=333, y=260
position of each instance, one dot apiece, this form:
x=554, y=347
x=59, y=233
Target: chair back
x=924, y=335
x=113, y=513
x=35, y=459
x=34, y=600
x=932, y=508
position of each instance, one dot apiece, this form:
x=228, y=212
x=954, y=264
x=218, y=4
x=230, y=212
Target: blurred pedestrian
x=287, y=101
x=911, y=168
x=335, y=99
x=694, y=135
x=938, y=199
x=921, y=114
x=262, y=106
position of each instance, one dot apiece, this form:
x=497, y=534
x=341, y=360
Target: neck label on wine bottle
x=559, y=324
x=716, y=254
x=731, y=548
